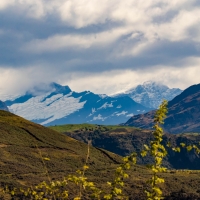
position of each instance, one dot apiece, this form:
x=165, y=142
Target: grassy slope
x=77, y=127
x=124, y=140
x=21, y=164
x=20, y=161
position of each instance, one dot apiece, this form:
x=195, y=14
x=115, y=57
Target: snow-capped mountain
x=55, y=104
x=183, y=114
x=150, y=94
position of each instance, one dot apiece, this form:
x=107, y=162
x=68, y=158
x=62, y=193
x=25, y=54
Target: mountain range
x=54, y=104
x=151, y=94
x=183, y=113
x=58, y=104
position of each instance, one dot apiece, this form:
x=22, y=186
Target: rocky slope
x=151, y=94
x=183, y=113
x=125, y=140
x=56, y=104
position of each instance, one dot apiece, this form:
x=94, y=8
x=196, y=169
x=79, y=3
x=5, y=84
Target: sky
x=105, y=46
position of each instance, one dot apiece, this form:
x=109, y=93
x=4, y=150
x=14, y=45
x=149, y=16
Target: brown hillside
x=21, y=164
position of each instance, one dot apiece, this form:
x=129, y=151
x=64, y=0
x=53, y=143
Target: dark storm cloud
x=19, y=30
x=118, y=36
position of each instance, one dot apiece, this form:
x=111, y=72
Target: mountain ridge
x=183, y=113
x=151, y=93
x=59, y=105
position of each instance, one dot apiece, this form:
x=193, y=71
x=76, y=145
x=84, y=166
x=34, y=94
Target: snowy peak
x=54, y=104
x=45, y=88
x=183, y=113
x=40, y=90
x=60, y=89
x=151, y=94
x=149, y=87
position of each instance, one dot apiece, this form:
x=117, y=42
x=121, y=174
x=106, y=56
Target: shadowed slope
x=124, y=140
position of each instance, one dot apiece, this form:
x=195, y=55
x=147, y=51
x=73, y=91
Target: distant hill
x=3, y=106
x=125, y=140
x=183, y=113
x=55, y=104
x=150, y=93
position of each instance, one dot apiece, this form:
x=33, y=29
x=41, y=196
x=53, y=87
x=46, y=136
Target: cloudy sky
x=103, y=46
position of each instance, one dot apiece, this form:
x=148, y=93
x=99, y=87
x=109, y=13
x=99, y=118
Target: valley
x=124, y=140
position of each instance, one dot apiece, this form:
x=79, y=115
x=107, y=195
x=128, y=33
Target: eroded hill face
x=125, y=140
x=183, y=113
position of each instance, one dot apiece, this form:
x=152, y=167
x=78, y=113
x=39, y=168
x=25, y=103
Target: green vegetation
x=20, y=161
x=90, y=127
x=43, y=154
x=124, y=140
x=158, y=152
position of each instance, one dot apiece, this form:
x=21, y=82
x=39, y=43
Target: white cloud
x=5, y=3
x=178, y=28
x=86, y=12
x=75, y=41
x=75, y=36
x=31, y=8
x=136, y=18
x=18, y=81
x=119, y=81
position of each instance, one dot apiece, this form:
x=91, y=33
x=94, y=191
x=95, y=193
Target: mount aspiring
x=54, y=104
x=151, y=94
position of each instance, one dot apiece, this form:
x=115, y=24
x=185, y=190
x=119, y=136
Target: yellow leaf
x=47, y=159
